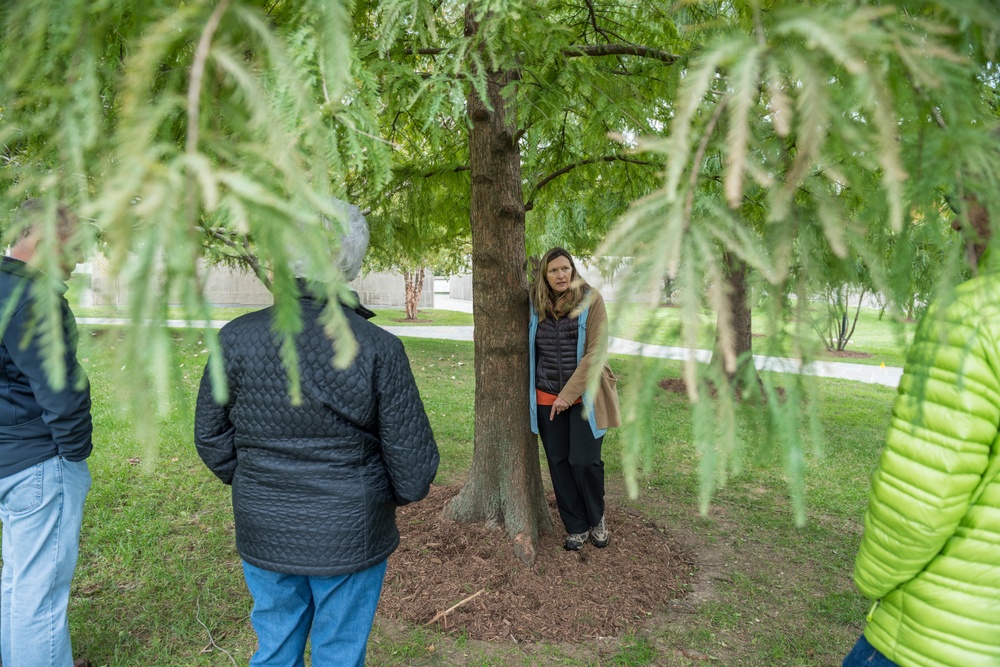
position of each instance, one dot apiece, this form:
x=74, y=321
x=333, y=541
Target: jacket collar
x=358, y=307
x=22, y=269
x=350, y=300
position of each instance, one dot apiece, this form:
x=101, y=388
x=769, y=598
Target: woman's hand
x=558, y=406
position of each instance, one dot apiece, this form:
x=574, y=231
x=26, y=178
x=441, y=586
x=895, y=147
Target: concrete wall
x=231, y=287
x=105, y=289
x=224, y=286
x=387, y=290
x=460, y=287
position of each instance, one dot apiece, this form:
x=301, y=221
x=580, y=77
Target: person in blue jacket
x=45, y=439
x=568, y=339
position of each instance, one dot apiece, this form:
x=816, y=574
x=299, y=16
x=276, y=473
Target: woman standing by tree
x=568, y=336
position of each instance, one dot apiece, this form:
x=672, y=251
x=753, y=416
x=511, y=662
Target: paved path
x=885, y=375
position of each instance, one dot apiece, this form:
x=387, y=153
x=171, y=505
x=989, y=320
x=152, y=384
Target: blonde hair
x=544, y=299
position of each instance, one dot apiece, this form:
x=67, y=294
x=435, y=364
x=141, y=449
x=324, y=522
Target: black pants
x=574, y=457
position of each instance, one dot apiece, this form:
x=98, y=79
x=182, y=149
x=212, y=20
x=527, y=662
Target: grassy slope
x=159, y=578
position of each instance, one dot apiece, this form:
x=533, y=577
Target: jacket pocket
x=607, y=398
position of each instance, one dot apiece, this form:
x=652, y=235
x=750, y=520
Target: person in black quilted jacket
x=315, y=486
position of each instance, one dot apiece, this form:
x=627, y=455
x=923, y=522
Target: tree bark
x=740, y=320
x=414, y=281
x=504, y=487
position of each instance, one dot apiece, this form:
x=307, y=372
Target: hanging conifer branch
x=570, y=167
x=595, y=50
x=198, y=72
x=621, y=50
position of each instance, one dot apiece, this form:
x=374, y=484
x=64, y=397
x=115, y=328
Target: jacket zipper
x=559, y=354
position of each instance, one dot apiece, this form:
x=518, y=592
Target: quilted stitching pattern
x=932, y=530
x=555, y=351
x=315, y=485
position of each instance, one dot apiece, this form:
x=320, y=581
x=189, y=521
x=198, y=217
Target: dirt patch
x=848, y=354
x=678, y=386
x=674, y=385
x=566, y=596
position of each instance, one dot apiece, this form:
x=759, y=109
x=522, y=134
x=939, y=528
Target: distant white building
x=228, y=287
x=610, y=287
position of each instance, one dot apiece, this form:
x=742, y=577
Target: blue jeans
x=284, y=606
x=41, y=509
x=865, y=655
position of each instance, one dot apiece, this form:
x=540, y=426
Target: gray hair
x=353, y=242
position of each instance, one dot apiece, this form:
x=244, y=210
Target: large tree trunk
x=504, y=487
x=739, y=321
x=414, y=281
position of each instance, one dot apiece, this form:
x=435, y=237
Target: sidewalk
x=884, y=375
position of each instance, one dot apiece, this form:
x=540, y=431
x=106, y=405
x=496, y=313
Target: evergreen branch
x=620, y=50
x=592, y=11
x=570, y=167
x=198, y=72
x=194, y=107
x=453, y=170
x=698, y=157
x=582, y=50
x=243, y=254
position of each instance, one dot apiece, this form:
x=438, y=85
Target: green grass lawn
x=880, y=337
x=159, y=580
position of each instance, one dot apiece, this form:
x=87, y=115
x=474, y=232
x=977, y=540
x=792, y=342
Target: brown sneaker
x=575, y=541
x=79, y=662
x=599, y=535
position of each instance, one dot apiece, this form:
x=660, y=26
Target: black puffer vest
x=555, y=352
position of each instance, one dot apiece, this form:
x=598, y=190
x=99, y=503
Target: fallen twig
x=197, y=617
x=442, y=614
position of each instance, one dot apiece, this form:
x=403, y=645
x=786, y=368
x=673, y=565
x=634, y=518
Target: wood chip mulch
x=679, y=386
x=565, y=596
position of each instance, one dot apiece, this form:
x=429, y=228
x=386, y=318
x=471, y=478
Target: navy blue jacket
x=315, y=486
x=37, y=421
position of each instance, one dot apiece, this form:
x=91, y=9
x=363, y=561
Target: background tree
x=540, y=95
x=429, y=228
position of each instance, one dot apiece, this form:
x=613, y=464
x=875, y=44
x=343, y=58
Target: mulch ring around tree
x=848, y=354
x=566, y=596
x=679, y=386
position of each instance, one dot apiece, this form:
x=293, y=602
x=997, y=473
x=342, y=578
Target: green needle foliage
x=816, y=142
x=588, y=77
x=206, y=129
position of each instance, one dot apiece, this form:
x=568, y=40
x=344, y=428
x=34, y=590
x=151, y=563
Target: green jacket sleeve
x=943, y=428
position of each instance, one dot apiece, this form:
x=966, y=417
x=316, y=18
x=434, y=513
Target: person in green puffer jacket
x=930, y=555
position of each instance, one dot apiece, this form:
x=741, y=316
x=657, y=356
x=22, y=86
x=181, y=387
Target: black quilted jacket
x=316, y=486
